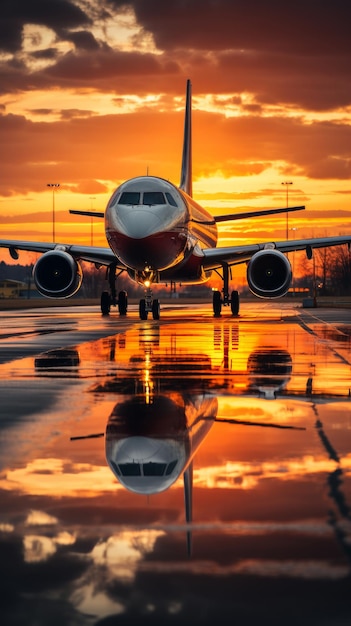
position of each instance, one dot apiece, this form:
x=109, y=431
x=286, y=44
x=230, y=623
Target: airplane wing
x=92, y=254
x=217, y=218
x=99, y=214
x=234, y=255
x=213, y=257
x=247, y=214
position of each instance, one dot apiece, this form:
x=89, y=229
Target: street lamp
x=287, y=183
x=294, y=229
x=54, y=187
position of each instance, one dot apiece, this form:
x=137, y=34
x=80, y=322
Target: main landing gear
x=107, y=301
x=231, y=300
x=109, y=298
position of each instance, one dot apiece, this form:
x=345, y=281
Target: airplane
x=157, y=233
x=156, y=428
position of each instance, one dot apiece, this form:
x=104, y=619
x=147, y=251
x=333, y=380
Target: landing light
x=147, y=283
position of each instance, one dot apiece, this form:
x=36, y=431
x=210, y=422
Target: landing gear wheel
x=122, y=302
x=217, y=304
x=142, y=309
x=156, y=309
x=234, y=302
x=105, y=303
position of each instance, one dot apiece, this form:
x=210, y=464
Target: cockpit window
x=171, y=467
x=154, y=469
x=129, y=197
x=130, y=469
x=145, y=469
x=148, y=198
x=170, y=199
x=116, y=468
x=153, y=197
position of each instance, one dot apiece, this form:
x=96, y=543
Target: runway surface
x=187, y=468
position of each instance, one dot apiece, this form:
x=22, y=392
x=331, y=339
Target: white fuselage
x=155, y=230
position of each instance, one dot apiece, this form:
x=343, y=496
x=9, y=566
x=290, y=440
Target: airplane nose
x=145, y=237
x=138, y=223
x=138, y=449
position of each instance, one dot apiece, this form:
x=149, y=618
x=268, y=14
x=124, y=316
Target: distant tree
x=15, y=271
x=333, y=270
x=328, y=272
x=340, y=270
x=305, y=271
x=323, y=264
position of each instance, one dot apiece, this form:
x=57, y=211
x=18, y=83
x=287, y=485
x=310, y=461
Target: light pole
x=294, y=229
x=287, y=183
x=92, y=198
x=54, y=187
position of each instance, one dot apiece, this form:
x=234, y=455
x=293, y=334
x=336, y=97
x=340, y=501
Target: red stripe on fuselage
x=159, y=251
x=191, y=272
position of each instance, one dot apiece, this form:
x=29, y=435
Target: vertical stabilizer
x=186, y=182
x=188, y=500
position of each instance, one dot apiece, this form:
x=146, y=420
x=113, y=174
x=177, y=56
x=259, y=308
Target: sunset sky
x=92, y=93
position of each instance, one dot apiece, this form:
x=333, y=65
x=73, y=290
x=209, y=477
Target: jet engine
x=269, y=274
x=57, y=274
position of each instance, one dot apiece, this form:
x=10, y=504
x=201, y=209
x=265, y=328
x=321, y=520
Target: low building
x=13, y=289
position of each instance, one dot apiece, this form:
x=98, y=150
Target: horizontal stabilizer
x=241, y=216
x=88, y=213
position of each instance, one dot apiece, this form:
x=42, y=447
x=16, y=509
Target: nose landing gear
x=148, y=305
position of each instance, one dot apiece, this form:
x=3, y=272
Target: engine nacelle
x=57, y=274
x=269, y=274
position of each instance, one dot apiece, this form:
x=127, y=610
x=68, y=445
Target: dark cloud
x=298, y=57
x=83, y=40
x=56, y=14
x=42, y=112
x=208, y=588
x=107, y=70
x=49, y=53
x=307, y=26
x=69, y=114
x=307, y=83
x=64, y=114
x=14, y=78
x=104, y=64
x=316, y=83
x=109, y=147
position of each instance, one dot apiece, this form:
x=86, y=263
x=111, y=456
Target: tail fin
x=188, y=499
x=186, y=182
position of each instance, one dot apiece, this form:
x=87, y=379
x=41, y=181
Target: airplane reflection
x=167, y=405
x=269, y=371
x=57, y=359
x=334, y=482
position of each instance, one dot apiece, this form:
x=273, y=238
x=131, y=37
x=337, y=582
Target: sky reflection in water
x=270, y=506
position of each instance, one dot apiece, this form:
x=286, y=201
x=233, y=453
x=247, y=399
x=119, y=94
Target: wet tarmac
x=177, y=471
